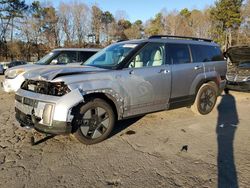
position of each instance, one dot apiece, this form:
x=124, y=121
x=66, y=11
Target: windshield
x=46, y=59
x=111, y=56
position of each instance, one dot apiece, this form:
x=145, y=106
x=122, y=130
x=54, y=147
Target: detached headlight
x=11, y=74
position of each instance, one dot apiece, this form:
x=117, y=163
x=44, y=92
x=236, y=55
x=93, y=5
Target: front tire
x=205, y=99
x=95, y=123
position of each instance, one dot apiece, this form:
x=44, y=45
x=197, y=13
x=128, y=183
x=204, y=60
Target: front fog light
x=47, y=114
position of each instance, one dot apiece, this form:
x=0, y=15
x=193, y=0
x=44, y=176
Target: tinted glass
x=150, y=56
x=84, y=56
x=178, y=53
x=204, y=53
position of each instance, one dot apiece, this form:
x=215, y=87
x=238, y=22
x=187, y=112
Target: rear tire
x=96, y=122
x=205, y=99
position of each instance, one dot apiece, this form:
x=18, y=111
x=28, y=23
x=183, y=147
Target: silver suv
x=124, y=80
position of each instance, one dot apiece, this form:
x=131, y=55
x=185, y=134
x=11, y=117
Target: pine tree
x=226, y=18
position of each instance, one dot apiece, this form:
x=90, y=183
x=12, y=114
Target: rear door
x=184, y=72
x=212, y=58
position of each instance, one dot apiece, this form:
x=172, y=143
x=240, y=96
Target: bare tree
x=96, y=23
x=81, y=13
x=66, y=23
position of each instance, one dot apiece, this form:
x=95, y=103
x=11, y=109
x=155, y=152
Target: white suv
x=14, y=77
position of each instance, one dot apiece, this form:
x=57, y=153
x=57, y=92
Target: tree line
x=28, y=31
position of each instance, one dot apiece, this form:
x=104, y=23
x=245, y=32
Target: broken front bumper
x=47, y=114
x=238, y=86
x=31, y=121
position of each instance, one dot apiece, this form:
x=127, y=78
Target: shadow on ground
x=226, y=127
x=124, y=124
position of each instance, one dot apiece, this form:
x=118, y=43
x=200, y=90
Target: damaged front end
x=46, y=88
x=46, y=106
x=238, y=75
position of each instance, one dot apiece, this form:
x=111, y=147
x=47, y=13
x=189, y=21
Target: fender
x=107, y=86
x=201, y=79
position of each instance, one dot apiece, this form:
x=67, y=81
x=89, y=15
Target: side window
x=84, y=56
x=204, y=53
x=216, y=54
x=178, y=53
x=150, y=56
x=66, y=57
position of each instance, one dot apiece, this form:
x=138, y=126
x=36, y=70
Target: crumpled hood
x=29, y=67
x=50, y=73
x=26, y=67
x=238, y=54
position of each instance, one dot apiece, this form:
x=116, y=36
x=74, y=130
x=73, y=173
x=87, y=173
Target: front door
x=147, y=81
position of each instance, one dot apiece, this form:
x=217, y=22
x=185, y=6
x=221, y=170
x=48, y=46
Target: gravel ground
x=166, y=149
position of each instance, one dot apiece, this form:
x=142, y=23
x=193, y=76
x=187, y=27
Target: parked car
x=63, y=56
x=5, y=66
x=238, y=76
x=1, y=69
x=16, y=63
x=124, y=80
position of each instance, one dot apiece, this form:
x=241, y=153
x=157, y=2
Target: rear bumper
x=238, y=86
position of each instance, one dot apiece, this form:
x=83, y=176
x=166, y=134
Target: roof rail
x=180, y=37
x=121, y=40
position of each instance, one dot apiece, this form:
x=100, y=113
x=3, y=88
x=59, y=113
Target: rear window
x=178, y=53
x=84, y=56
x=204, y=53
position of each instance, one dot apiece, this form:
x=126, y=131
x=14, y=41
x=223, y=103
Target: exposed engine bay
x=238, y=74
x=47, y=88
x=239, y=62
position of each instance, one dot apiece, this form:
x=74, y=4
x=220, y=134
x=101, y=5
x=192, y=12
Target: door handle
x=198, y=67
x=164, y=71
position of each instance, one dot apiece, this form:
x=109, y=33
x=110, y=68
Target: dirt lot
x=166, y=149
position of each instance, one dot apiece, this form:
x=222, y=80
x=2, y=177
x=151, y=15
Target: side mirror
x=54, y=62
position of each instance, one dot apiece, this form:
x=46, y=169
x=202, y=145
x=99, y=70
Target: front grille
x=30, y=102
x=26, y=101
x=240, y=78
x=235, y=78
x=47, y=88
